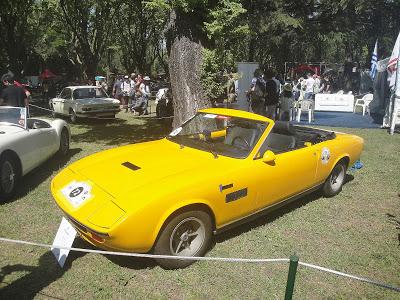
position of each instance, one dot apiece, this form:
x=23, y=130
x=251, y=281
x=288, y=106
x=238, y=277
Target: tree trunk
x=184, y=42
x=185, y=62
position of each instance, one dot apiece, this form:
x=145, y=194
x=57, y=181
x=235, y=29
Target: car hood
x=9, y=133
x=96, y=101
x=9, y=129
x=123, y=171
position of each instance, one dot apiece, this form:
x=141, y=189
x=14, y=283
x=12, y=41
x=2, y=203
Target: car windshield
x=88, y=93
x=219, y=134
x=14, y=116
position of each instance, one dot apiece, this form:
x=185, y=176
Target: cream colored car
x=84, y=102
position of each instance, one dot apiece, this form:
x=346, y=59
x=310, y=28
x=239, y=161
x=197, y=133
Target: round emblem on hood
x=76, y=192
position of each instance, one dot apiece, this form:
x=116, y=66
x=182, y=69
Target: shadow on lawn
x=118, y=131
x=37, y=277
x=41, y=173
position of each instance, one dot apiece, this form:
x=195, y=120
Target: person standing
x=126, y=89
x=317, y=83
x=145, y=92
x=116, y=92
x=271, y=95
x=230, y=90
x=309, y=87
x=12, y=95
x=257, y=93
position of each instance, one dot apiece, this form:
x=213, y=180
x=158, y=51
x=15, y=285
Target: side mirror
x=269, y=157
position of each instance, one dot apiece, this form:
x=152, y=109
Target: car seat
x=281, y=139
x=250, y=135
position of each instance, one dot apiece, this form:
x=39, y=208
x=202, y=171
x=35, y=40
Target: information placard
x=65, y=238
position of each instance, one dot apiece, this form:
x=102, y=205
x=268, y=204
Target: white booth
x=334, y=102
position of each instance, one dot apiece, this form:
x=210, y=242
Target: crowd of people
x=274, y=98
x=133, y=92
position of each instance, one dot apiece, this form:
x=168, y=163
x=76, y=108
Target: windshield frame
x=210, y=148
x=25, y=115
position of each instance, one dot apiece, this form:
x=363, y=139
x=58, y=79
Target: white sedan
x=84, y=102
x=25, y=143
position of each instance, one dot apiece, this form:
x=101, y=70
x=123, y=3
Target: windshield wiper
x=211, y=149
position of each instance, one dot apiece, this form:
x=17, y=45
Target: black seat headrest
x=283, y=127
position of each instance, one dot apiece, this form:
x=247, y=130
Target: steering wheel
x=242, y=141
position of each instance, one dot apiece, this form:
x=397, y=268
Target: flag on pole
x=392, y=65
x=374, y=62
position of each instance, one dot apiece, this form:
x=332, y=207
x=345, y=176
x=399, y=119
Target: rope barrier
x=384, y=285
x=144, y=255
x=136, y=117
x=197, y=258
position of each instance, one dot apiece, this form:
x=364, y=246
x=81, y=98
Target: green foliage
x=96, y=35
x=227, y=28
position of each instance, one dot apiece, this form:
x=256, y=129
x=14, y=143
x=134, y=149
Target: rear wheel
x=333, y=184
x=64, y=142
x=187, y=234
x=8, y=177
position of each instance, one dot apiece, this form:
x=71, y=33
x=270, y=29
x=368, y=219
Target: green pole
x=294, y=260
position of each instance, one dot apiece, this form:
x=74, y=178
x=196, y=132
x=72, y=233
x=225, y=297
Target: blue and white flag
x=374, y=62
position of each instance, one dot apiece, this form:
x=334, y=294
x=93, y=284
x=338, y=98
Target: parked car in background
x=217, y=170
x=84, y=102
x=25, y=143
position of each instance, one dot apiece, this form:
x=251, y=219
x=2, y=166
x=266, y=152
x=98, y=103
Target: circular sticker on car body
x=325, y=155
x=77, y=192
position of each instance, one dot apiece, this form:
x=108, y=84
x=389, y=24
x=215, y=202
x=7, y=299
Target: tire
x=64, y=142
x=190, y=228
x=334, y=183
x=9, y=177
x=73, y=117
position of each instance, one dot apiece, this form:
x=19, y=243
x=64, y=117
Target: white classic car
x=83, y=102
x=25, y=143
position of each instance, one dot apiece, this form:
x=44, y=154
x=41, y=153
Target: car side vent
x=130, y=166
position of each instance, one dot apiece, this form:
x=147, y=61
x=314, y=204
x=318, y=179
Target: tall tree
x=90, y=23
x=140, y=39
x=15, y=32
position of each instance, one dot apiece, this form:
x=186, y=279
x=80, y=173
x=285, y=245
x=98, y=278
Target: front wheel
x=187, y=234
x=8, y=177
x=333, y=184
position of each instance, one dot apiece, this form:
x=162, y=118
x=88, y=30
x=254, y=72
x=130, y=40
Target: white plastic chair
x=308, y=106
x=364, y=103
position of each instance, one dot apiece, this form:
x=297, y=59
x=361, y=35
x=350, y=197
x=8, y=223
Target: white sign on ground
x=64, y=238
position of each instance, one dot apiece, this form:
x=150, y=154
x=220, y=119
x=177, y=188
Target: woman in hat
x=144, y=91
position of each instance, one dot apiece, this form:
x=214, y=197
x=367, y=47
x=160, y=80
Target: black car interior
x=286, y=137
x=37, y=124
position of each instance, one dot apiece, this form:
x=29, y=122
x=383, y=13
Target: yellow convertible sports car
x=217, y=170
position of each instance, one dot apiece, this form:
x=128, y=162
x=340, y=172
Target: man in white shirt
x=309, y=87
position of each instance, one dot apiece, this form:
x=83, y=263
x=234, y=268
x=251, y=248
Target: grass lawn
x=357, y=232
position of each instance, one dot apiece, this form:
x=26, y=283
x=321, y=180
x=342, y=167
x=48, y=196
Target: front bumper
x=98, y=113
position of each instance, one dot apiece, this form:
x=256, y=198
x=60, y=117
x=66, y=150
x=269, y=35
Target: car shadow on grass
x=134, y=263
x=119, y=131
x=36, y=278
x=34, y=178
